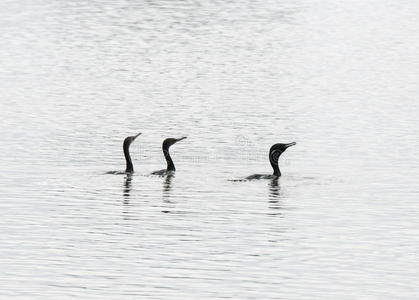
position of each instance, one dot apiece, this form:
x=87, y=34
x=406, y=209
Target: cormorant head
x=171, y=141
x=276, y=151
x=128, y=140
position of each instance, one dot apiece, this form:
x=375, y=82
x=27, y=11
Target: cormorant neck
x=273, y=159
x=170, y=164
x=130, y=167
x=277, y=172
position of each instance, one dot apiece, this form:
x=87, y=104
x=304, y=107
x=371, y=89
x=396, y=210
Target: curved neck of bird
x=273, y=158
x=170, y=164
x=130, y=167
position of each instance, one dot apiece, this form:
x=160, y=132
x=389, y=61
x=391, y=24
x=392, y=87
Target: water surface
x=340, y=79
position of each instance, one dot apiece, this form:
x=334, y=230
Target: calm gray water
x=338, y=77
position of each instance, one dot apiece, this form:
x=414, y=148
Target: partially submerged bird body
x=162, y=172
x=274, y=154
x=129, y=168
x=170, y=169
x=261, y=176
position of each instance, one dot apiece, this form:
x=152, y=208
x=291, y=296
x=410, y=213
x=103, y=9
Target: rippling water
x=338, y=77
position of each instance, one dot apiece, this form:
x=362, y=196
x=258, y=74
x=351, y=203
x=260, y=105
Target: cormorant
x=274, y=154
x=129, y=166
x=170, y=165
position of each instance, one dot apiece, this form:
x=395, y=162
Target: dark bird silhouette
x=274, y=154
x=170, y=165
x=129, y=166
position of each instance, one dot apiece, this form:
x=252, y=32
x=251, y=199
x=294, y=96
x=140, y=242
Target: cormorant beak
x=135, y=136
x=290, y=144
x=182, y=138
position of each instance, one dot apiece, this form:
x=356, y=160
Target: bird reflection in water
x=167, y=187
x=127, y=188
x=274, y=196
x=126, y=193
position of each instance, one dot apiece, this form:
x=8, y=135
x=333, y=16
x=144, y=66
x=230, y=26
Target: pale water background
x=341, y=78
